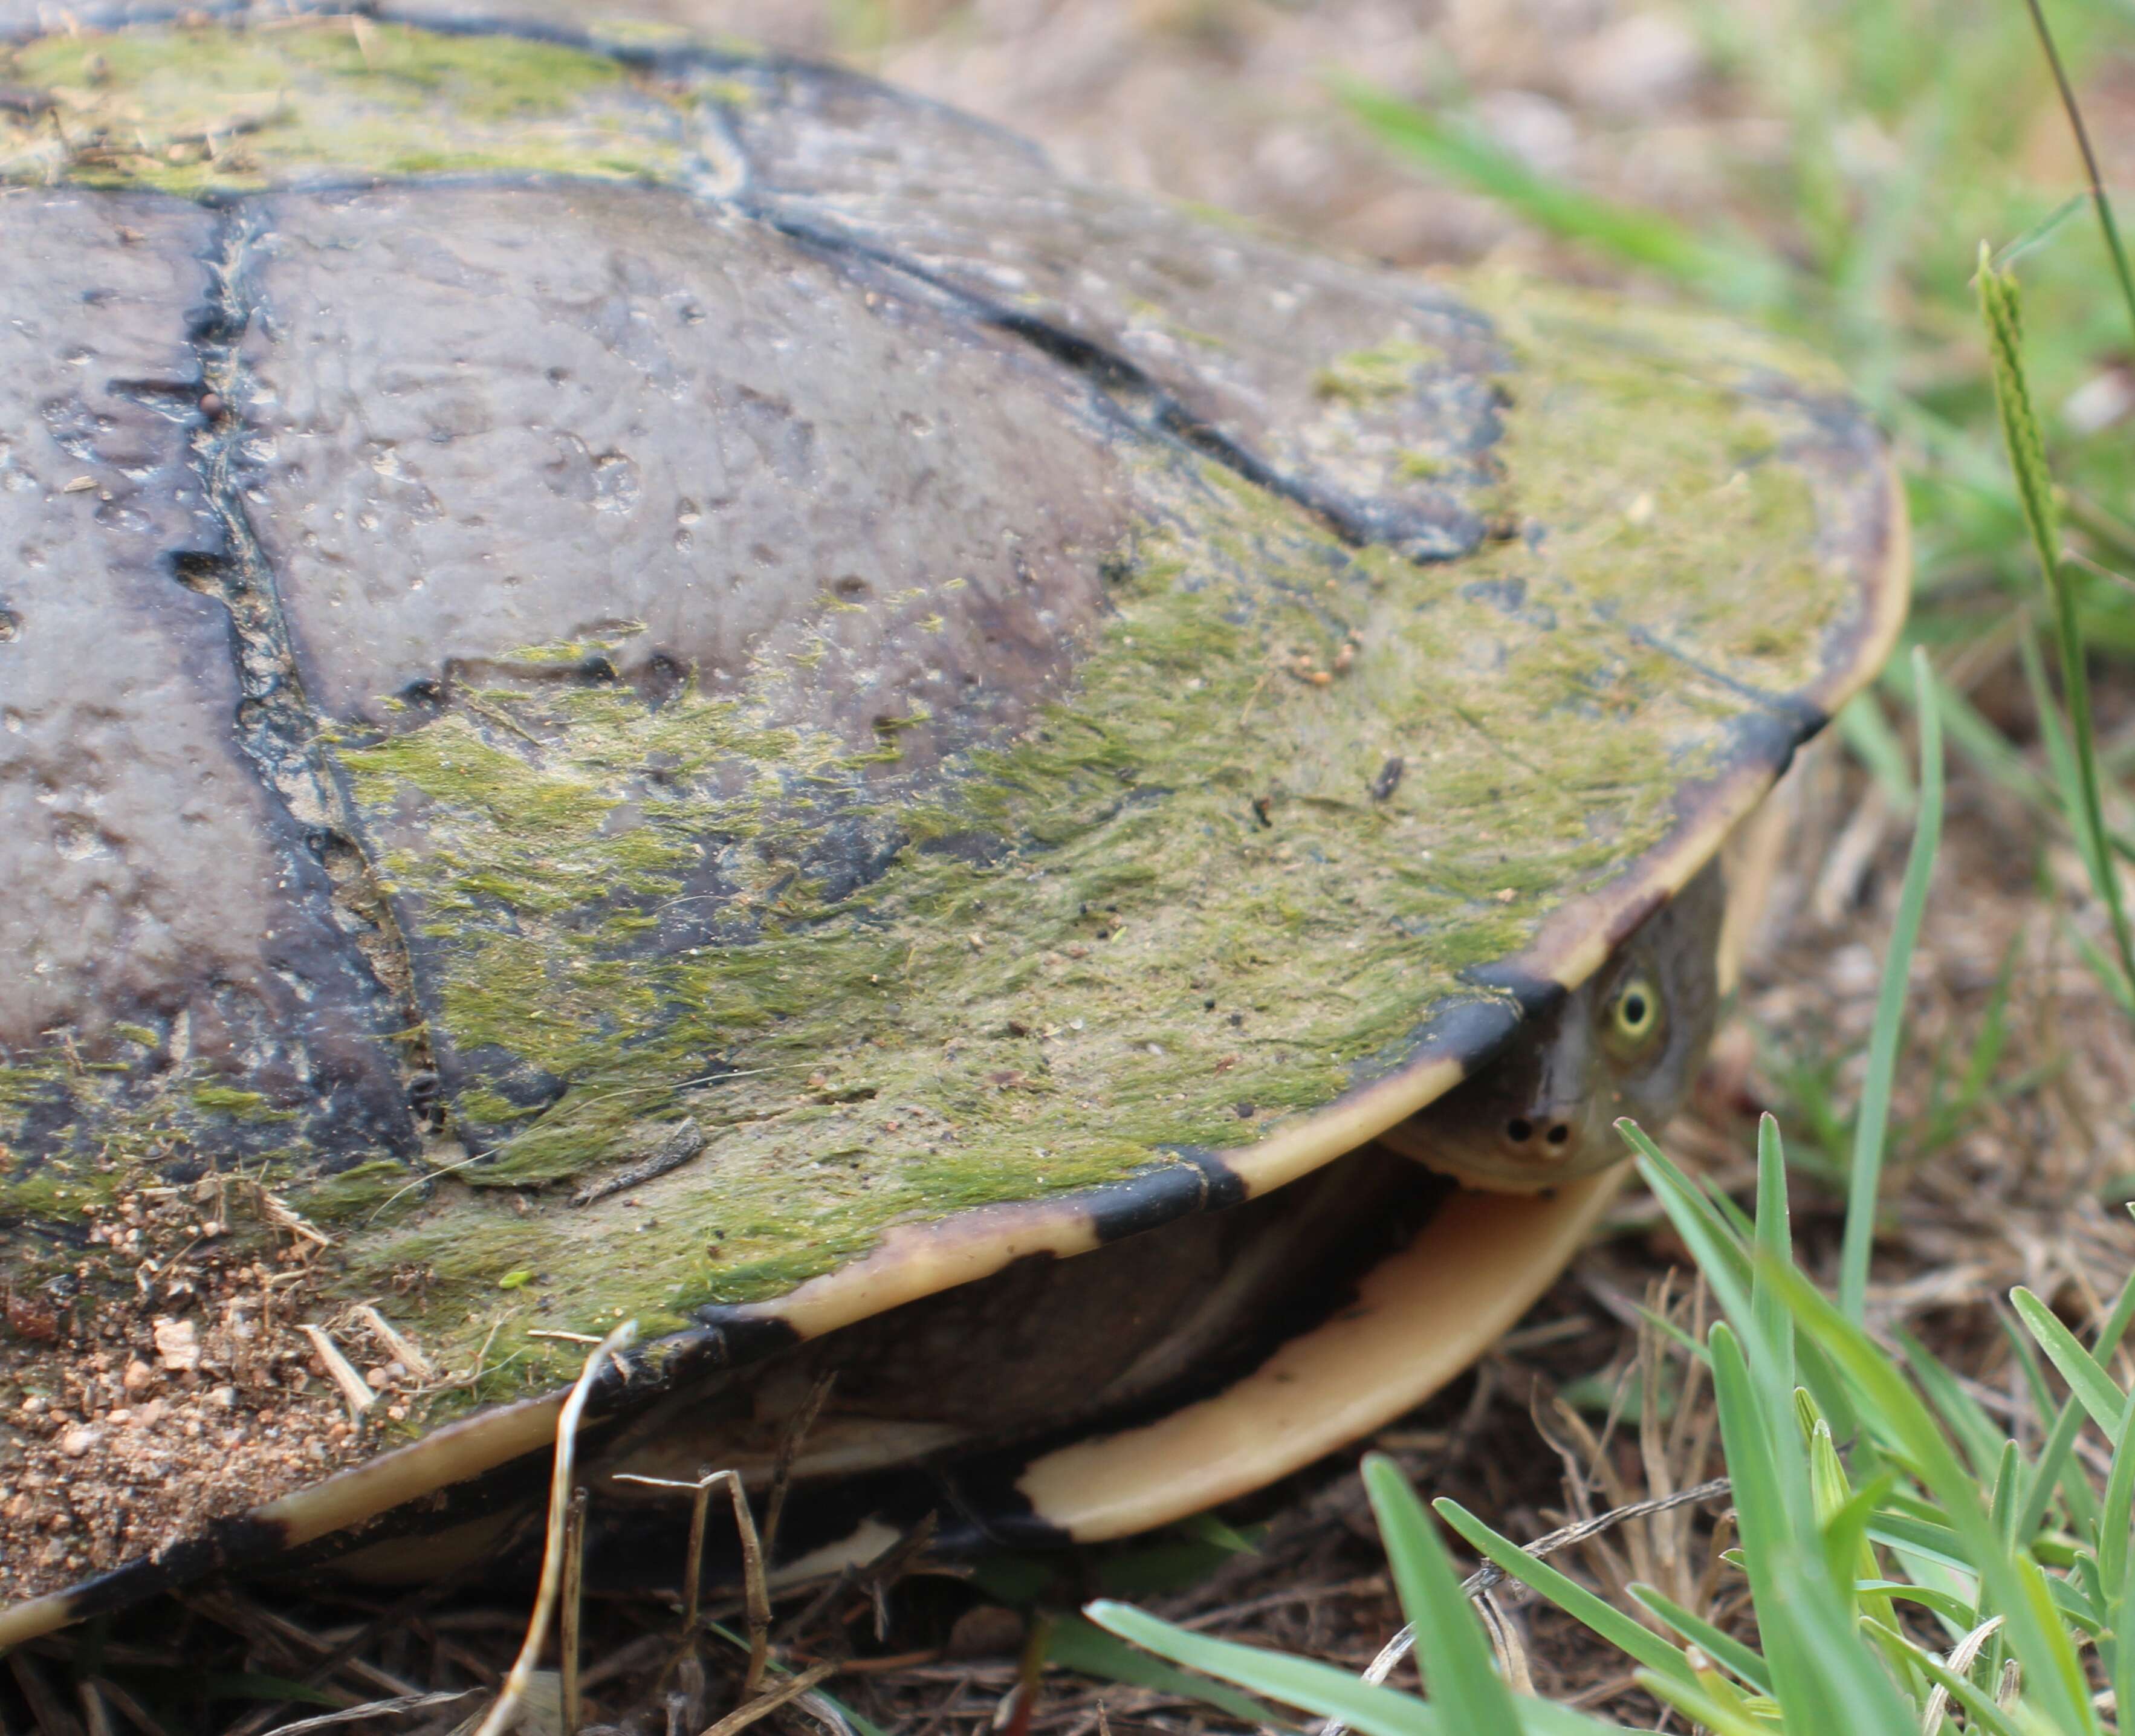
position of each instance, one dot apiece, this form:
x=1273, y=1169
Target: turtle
x=647, y=681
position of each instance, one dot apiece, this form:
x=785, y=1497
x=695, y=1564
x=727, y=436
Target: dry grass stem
x=1505, y=1641
x=344, y=1373
x=46, y=1707
x=296, y=1645
x=1490, y=1574
x=789, y=1450
x=1961, y=1658
x=394, y=1708
x=506, y=1708
x=756, y=1589
x=95, y=1714
x=573, y=1611
x=768, y=1703
x=693, y=1567
x=399, y=1346
x=283, y=1218
x=129, y=1707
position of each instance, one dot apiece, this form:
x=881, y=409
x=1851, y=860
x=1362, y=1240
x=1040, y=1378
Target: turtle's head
x=1628, y=1041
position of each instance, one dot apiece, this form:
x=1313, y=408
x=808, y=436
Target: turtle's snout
x=1546, y=1136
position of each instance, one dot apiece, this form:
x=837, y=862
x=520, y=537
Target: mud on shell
x=562, y=586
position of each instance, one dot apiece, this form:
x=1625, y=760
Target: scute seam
x=1145, y=403
x=277, y=727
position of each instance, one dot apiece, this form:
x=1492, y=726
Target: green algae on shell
x=211, y=108
x=710, y=591
x=1107, y=969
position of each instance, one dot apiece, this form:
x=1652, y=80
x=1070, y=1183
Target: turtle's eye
x=1634, y=1015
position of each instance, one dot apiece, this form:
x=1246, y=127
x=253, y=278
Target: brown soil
x=197, y=1397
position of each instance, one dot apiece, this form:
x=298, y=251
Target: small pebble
x=177, y=1345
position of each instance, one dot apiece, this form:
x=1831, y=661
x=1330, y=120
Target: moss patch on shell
x=1176, y=912
x=218, y=108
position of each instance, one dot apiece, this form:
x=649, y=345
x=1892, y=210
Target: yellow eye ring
x=1636, y=1010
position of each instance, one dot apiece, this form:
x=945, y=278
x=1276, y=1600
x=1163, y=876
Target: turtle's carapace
x=1627, y=1042
x=647, y=682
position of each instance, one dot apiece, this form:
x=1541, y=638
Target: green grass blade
x=1326, y=1690
x=1864, y=728
x=2094, y=1388
x=1913, y=1540
x=1451, y=1649
x=1953, y=1611
x=1721, y=1255
x=2120, y=1656
x=1595, y=1614
x=1725, y=1261
x=1673, y=1333
x=2001, y=1494
x=2120, y=988
x=2053, y=1673
x=1076, y=1644
x=2114, y=1552
x=1772, y=1510
x=2000, y=311
x=2061, y=757
x=1976, y=1431
x=2060, y=1440
x=1702, y=1709
x=1321, y=1690
x=1774, y=1238
x=1919, y=1537
x=1846, y=1534
x=2047, y=1468
x=1737, y=275
x=1827, y=1483
x=2079, y=1590
x=1723, y=1648
x=1872, y=1121
x=1861, y=1698
x=2039, y=233
x=2099, y=200
x=1985, y=1715
x=1986, y=747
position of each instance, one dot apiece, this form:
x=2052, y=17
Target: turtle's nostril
x=1559, y=1132
x=1519, y=1130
